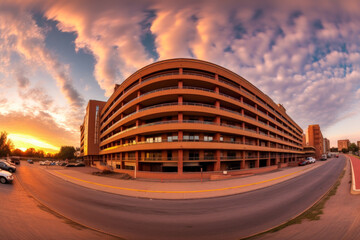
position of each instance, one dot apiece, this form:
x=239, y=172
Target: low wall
x=192, y=175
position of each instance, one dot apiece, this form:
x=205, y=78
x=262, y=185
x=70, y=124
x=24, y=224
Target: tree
x=66, y=152
x=30, y=152
x=39, y=154
x=17, y=152
x=333, y=149
x=353, y=148
x=5, y=145
x=344, y=150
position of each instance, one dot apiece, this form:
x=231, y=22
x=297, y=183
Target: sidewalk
x=180, y=190
x=355, y=172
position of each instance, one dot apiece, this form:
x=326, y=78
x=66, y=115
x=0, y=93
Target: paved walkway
x=340, y=218
x=178, y=190
x=355, y=170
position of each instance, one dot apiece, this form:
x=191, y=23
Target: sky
x=56, y=55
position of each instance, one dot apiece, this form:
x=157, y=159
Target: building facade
x=315, y=138
x=89, y=132
x=326, y=145
x=182, y=116
x=343, y=144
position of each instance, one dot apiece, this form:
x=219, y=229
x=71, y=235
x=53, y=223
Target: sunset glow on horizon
x=23, y=142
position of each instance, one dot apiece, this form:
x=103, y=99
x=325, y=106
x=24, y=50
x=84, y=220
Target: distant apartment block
x=343, y=144
x=89, y=132
x=326, y=145
x=315, y=138
x=185, y=118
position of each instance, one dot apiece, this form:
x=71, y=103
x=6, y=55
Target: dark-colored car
x=80, y=164
x=30, y=161
x=15, y=161
x=70, y=165
x=303, y=162
x=7, y=167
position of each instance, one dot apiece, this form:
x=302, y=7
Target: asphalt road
x=230, y=217
x=23, y=218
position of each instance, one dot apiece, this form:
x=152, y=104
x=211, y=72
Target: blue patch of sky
x=229, y=49
x=239, y=31
x=81, y=62
x=317, y=24
x=278, y=33
x=257, y=14
x=293, y=16
x=192, y=55
x=147, y=38
x=344, y=48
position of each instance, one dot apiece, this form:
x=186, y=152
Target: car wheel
x=3, y=180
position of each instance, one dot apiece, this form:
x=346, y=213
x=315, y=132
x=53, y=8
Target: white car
x=311, y=159
x=6, y=177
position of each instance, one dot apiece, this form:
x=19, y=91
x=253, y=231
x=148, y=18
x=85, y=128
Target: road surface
x=229, y=217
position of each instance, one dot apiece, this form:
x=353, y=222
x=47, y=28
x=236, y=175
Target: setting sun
x=23, y=142
x=23, y=149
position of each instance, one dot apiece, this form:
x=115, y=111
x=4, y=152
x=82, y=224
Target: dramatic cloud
x=41, y=125
x=23, y=39
x=111, y=31
x=303, y=54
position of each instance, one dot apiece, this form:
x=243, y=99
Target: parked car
x=15, y=160
x=6, y=177
x=337, y=155
x=80, y=164
x=323, y=157
x=7, y=167
x=311, y=159
x=303, y=162
x=30, y=161
x=70, y=165
x=45, y=163
x=7, y=161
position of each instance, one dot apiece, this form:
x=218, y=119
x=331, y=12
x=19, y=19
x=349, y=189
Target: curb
x=67, y=178
x=353, y=189
x=317, y=201
x=65, y=217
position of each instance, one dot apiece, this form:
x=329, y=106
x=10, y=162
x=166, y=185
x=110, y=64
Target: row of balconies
x=269, y=134
x=196, y=104
x=242, y=90
x=117, y=145
x=254, y=109
x=198, y=159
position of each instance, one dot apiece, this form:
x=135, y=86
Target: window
x=208, y=138
x=153, y=139
x=193, y=155
x=153, y=156
x=172, y=138
x=191, y=137
x=231, y=155
x=209, y=155
x=169, y=155
x=96, y=140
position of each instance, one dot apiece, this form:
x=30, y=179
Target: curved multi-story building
x=182, y=117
